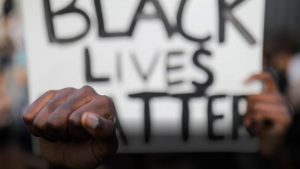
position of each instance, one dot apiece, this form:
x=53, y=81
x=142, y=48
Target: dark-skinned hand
x=75, y=127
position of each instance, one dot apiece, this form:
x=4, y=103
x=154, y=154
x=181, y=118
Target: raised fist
x=75, y=127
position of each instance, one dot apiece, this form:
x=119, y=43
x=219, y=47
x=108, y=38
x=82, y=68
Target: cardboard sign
x=174, y=68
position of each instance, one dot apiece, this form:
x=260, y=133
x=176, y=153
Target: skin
x=268, y=115
x=75, y=127
x=5, y=108
x=281, y=61
x=5, y=104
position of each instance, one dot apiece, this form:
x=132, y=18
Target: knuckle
x=67, y=106
x=53, y=124
x=70, y=89
x=50, y=92
x=88, y=89
x=52, y=105
x=74, y=121
x=27, y=119
x=38, y=124
x=70, y=102
x=107, y=101
x=109, y=106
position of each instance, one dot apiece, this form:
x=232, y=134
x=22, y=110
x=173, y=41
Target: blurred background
x=281, y=55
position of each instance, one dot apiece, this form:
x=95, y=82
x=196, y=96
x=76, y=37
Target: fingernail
x=92, y=121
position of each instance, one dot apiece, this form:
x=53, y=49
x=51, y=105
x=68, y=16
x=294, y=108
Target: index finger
x=31, y=112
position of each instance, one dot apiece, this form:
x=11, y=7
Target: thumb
x=270, y=85
x=97, y=126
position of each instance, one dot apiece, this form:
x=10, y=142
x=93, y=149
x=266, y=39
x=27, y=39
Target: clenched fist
x=75, y=127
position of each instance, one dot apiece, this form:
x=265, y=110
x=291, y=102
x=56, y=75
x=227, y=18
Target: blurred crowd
x=281, y=59
x=15, y=142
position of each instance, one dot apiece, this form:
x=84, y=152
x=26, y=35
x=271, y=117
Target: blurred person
x=283, y=55
x=14, y=139
x=13, y=80
x=6, y=51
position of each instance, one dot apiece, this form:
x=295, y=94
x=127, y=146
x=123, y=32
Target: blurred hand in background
x=268, y=115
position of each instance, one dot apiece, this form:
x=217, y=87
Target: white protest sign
x=174, y=68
